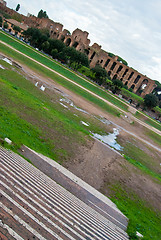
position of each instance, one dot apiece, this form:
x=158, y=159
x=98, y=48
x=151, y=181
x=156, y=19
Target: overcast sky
x=130, y=29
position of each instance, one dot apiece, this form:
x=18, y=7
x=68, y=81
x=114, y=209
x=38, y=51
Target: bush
x=150, y=101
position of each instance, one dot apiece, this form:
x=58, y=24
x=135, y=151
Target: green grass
x=35, y=118
x=153, y=124
x=143, y=168
x=148, y=120
x=154, y=136
x=142, y=217
x=60, y=69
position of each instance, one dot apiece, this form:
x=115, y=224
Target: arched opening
x=92, y=56
x=97, y=62
x=137, y=79
x=75, y=44
x=68, y=41
x=132, y=86
x=121, y=79
x=101, y=61
x=131, y=75
x=86, y=51
x=109, y=73
x=119, y=69
x=126, y=82
x=125, y=72
x=142, y=87
x=113, y=66
x=62, y=38
x=106, y=63
x=115, y=76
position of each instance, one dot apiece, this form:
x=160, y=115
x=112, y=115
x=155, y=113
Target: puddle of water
x=1, y=67
x=7, y=61
x=84, y=123
x=110, y=139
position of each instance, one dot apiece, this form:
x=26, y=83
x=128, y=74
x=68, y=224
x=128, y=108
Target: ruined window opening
x=125, y=73
x=86, y=51
x=75, y=44
x=137, y=79
x=131, y=75
x=107, y=62
x=92, y=55
x=113, y=66
x=133, y=86
x=115, y=76
x=68, y=41
x=119, y=69
x=101, y=61
x=126, y=82
x=109, y=73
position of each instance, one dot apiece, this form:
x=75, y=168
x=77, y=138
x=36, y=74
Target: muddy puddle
x=110, y=139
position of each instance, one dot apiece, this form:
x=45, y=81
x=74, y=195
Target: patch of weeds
x=142, y=217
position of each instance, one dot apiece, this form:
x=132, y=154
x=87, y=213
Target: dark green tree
x=42, y=14
x=18, y=7
x=17, y=29
x=118, y=83
x=100, y=74
x=150, y=101
x=5, y=25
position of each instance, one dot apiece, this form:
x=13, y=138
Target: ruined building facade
x=140, y=83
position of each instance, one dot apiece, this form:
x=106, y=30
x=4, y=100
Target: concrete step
x=45, y=209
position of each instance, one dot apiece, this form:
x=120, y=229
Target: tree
x=42, y=14
x=150, y=101
x=118, y=83
x=18, y=7
x=5, y=25
x=100, y=74
x=17, y=29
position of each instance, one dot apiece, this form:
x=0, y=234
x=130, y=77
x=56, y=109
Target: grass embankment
x=60, y=69
x=28, y=116
x=142, y=218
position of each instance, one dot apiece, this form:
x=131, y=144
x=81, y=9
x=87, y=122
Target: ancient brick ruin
x=140, y=83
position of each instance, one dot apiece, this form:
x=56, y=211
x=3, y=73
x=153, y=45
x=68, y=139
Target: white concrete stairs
x=33, y=206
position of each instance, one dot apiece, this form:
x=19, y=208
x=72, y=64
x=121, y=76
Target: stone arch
x=115, y=76
x=131, y=74
x=68, y=42
x=113, y=66
x=106, y=63
x=137, y=79
x=119, y=69
x=75, y=44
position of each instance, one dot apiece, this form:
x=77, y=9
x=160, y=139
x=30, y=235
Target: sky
x=130, y=29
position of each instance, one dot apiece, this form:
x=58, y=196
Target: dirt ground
x=98, y=164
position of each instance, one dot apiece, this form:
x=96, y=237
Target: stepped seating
x=33, y=206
